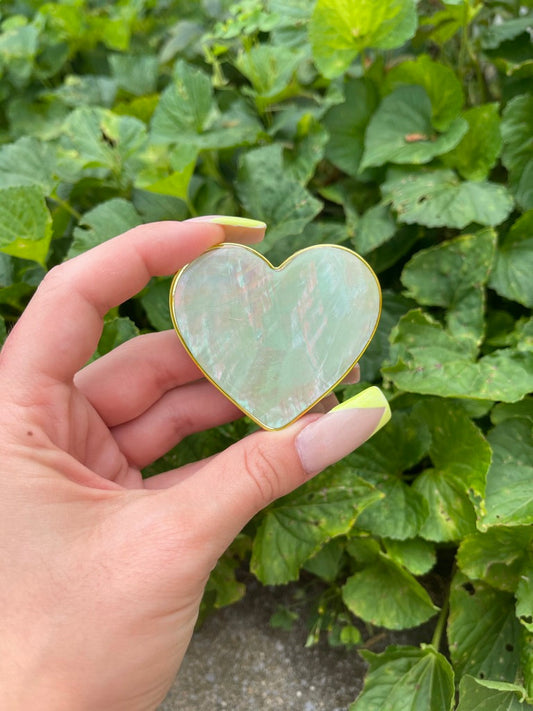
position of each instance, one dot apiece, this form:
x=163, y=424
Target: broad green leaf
x=381, y=461
x=308, y=150
x=509, y=494
x=400, y=131
x=517, y=153
x=340, y=29
x=504, y=411
x=511, y=276
x=103, y=222
x=477, y=153
x=19, y=43
x=480, y=694
x=78, y=91
x=375, y=227
x=135, y=73
x=483, y=632
x=440, y=82
x=451, y=514
x=524, y=595
x=458, y=450
x=495, y=34
x=426, y=359
x=496, y=556
x=296, y=526
x=439, y=199
x=452, y=275
x=385, y=594
x=116, y=331
x=415, y=554
x=186, y=108
x=269, y=69
x=155, y=302
x=269, y=194
x=99, y=138
x=406, y=678
x=392, y=308
x=25, y=223
x=28, y=161
x=326, y=564
x=347, y=122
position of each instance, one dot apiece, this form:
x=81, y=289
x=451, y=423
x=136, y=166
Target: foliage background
x=403, y=130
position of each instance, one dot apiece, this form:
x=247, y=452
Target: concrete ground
x=237, y=661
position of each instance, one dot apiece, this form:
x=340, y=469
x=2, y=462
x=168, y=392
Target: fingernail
x=230, y=221
x=236, y=229
x=343, y=429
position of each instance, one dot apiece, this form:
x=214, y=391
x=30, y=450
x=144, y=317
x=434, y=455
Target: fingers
x=60, y=328
x=180, y=412
x=130, y=379
x=233, y=486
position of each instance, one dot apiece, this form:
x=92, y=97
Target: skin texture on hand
x=101, y=572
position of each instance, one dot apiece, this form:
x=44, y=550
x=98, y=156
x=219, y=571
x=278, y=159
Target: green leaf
x=28, y=161
x=155, y=302
x=375, y=227
x=186, y=108
x=511, y=276
x=269, y=194
x=25, y=223
x=483, y=632
x=346, y=124
x=135, y=73
x=116, y=331
x=458, y=450
x=427, y=359
x=98, y=138
x=105, y=221
x=415, y=554
x=440, y=82
x=326, y=564
x=479, y=694
x=495, y=34
x=381, y=461
x=392, y=308
x=452, y=275
x=439, y=199
x=503, y=411
x=3, y=331
x=524, y=595
x=509, y=494
x=269, y=69
x=385, y=594
x=496, y=556
x=296, y=526
x=400, y=131
x=340, y=30
x=406, y=678
x=517, y=154
x=477, y=153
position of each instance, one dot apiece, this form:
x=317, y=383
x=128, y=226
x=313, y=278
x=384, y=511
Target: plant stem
x=441, y=623
x=66, y=206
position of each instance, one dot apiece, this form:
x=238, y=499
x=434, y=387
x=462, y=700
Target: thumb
x=233, y=486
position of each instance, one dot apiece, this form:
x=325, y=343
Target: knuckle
x=263, y=472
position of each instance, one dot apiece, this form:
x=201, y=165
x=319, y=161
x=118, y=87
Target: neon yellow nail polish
x=233, y=221
x=371, y=397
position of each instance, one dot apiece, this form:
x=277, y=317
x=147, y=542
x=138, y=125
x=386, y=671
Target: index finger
x=60, y=328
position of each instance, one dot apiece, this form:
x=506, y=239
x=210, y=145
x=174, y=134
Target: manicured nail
x=230, y=221
x=236, y=229
x=343, y=429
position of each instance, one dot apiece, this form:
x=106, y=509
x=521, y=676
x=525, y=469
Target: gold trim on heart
x=275, y=340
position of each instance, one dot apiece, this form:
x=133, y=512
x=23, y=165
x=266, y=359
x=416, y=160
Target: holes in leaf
x=527, y=619
x=470, y=589
x=509, y=647
x=481, y=675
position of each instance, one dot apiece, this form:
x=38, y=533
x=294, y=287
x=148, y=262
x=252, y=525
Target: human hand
x=102, y=573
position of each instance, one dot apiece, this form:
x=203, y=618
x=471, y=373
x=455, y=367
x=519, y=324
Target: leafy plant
x=403, y=130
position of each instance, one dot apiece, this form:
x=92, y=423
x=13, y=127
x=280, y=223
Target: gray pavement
x=237, y=662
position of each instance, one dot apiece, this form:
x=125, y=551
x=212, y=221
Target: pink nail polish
x=343, y=429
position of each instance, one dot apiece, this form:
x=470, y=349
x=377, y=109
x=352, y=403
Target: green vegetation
x=402, y=130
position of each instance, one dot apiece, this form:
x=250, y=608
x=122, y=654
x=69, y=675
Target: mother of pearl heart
x=275, y=340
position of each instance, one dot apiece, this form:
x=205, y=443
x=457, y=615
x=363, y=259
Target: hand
x=101, y=572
